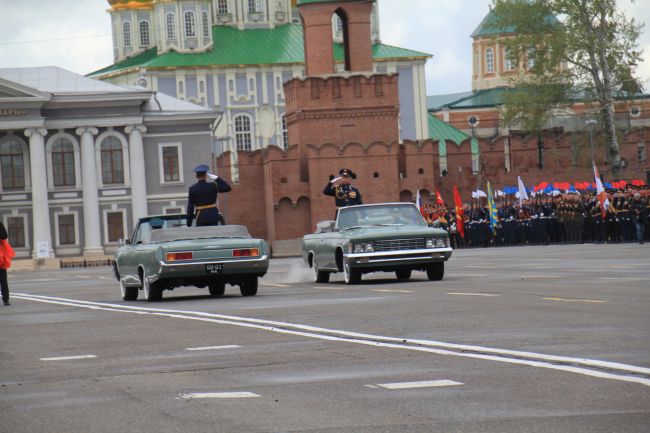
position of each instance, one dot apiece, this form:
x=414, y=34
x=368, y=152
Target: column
x=92, y=222
x=139, y=206
x=40, y=206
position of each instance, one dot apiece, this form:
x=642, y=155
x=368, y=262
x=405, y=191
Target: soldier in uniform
x=342, y=190
x=202, y=198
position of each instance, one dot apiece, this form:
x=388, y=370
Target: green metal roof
x=438, y=102
x=488, y=27
x=441, y=131
x=233, y=47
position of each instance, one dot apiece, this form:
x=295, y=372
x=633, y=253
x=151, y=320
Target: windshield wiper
x=354, y=227
x=389, y=225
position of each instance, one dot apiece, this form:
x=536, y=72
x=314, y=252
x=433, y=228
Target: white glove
x=213, y=176
x=336, y=179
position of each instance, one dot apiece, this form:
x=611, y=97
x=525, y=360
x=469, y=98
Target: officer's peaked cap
x=347, y=172
x=201, y=168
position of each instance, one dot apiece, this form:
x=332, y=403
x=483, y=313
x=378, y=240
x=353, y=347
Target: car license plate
x=214, y=268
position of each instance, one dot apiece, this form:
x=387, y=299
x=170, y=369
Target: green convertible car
x=164, y=254
x=389, y=237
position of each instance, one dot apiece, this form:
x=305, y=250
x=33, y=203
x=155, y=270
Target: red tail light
x=179, y=256
x=246, y=252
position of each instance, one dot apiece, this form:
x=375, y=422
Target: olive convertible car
x=387, y=237
x=164, y=254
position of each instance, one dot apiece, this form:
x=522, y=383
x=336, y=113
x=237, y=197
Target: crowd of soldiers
x=543, y=220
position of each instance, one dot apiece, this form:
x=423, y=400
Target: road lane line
x=274, y=285
x=622, y=278
x=330, y=288
x=392, y=291
x=423, y=384
x=231, y=346
x=583, y=366
x=480, y=267
x=68, y=358
x=199, y=395
x=472, y=294
x=592, y=301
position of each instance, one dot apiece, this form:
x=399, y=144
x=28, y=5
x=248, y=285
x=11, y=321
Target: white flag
x=523, y=195
x=418, y=201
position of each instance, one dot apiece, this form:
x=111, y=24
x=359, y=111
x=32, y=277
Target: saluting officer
x=341, y=189
x=202, y=198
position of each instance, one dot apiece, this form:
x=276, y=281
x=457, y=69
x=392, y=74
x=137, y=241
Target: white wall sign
x=42, y=249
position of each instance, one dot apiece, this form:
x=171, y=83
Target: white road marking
x=623, y=278
x=472, y=294
x=274, y=285
x=84, y=277
x=583, y=366
x=621, y=267
x=195, y=395
x=423, y=384
x=68, y=358
x=480, y=267
x=467, y=275
x=231, y=346
x=392, y=291
x=330, y=288
x=592, y=301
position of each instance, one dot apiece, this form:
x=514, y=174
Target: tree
x=574, y=50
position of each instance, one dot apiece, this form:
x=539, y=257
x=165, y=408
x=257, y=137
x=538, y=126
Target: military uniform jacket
x=201, y=194
x=345, y=195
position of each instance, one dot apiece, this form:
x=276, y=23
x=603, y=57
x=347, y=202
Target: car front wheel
x=351, y=276
x=403, y=274
x=436, y=271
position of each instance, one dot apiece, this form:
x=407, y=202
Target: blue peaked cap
x=201, y=169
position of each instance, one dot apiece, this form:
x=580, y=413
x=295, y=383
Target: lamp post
x=590, y=124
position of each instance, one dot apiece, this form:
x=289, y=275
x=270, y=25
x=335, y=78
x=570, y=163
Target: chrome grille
x=399, y=244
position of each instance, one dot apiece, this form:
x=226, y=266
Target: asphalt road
x=530, y=339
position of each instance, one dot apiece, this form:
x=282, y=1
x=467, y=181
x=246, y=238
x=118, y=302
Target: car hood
x=392, y=232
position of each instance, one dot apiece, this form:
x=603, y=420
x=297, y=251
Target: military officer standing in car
x=202, y=198
x=341, y=189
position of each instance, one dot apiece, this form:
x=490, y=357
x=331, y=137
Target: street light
x=590, y=124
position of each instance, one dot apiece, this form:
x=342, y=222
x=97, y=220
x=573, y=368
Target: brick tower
x=340, y=100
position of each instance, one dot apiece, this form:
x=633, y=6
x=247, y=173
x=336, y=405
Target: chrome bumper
x=395, y=257
x=196, y=268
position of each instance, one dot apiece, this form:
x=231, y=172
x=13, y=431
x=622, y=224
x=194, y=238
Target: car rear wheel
x=248, y=287
x=318, y=275
x=152, y=292
x=436, y=271
x=128, y=293
x=403, y=274
x=216, y=288
x=351, y=276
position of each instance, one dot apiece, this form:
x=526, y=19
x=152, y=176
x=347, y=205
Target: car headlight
x=441, y=242
x=364, y=248
x=431, y=243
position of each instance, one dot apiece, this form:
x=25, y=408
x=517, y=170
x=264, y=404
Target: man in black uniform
x=203, y=198
x=343, y=192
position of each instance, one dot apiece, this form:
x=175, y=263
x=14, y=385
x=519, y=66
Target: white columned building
x=40, y=207
x=92, y=237
x=138, y=179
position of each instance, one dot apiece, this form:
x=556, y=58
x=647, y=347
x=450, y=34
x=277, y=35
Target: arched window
x=63, y=170
x=223, y=8
x=531, y=54
x=243, y=132
x=112, y=160
x=285, y=133
x=206, y=24
x=489, y=60
x=509, y=63
x=344, y=30
x=170, y=25
x=190, y=25
x=12, y=164
x=126, y=33
x=145, y=40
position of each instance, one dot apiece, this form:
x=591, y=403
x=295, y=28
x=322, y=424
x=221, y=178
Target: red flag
x=460, y=213
x=439, y=199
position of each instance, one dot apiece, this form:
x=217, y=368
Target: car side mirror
x=435, y=224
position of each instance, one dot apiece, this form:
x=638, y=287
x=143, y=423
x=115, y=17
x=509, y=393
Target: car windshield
x=381, y=215
x=147, y=225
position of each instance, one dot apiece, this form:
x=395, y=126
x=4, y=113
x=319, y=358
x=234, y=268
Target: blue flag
x=492, y=208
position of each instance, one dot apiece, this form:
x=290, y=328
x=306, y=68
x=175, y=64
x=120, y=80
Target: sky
x=76, y=35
